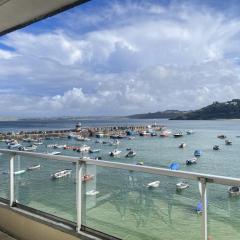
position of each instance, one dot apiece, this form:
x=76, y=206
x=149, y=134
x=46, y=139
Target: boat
x=145, y=134
x=234, y=191
x=153, y=134
x=54, y=153
x=222, y=136
x=154, y=184
x=182, y=145
x=216, y=147
x=115, y=152
x=228, y=142
x=191, y=161
x=56, y=146
x=84, y=148
x=14, y=145
x=34, y=167
x=178, y=134
x=87, y=177
x=62, y=173
x=80, y=138
x=92, y=193
x=115, y=143
x=94, y=150
x=197, y=153
x=165, y=133
x=16, y=172
x=131, y=153
x=182, y=185
x=28, y=149
x=189, y=132
x=131, y=138
x=140, y=163
x=174, y=166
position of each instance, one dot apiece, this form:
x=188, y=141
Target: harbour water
x=125, y=207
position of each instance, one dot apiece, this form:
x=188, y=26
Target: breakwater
x=105, y=131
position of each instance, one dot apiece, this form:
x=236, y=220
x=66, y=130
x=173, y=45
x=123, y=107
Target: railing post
x=11, y=181
x=79, y=170
x=204, y=204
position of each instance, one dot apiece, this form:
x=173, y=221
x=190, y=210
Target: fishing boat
x=197, y=153
x=115, y=152
x=234, y=191
x=228, y=142
x=131, y=153
x=62, y=173
x=178, y=134
x=216, y=147
x=94, y=150
x=92, y=193
x=182, y=185
x=191, y=161
x=34, y=167
x=222, y=136
x=154, y=184
x=182, y=145
x=87, y=177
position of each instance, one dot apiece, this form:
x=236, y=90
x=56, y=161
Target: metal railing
x=203, y=179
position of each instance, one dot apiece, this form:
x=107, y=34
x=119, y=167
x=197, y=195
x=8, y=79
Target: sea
x=124, y=205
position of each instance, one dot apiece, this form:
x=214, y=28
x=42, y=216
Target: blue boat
x=174, y=166
x=197, y=153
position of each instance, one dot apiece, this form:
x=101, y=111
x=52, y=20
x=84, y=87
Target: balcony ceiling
x=15, y=14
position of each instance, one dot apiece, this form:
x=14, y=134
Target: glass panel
x=37, y=188
x=120, y=203
x=223, y=213
x=4, y=176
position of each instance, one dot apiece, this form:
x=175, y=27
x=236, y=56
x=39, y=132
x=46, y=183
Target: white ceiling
x=15, y=14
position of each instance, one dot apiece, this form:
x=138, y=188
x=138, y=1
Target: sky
x=122, y=57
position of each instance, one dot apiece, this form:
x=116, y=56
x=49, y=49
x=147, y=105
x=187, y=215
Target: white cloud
x=149, y=58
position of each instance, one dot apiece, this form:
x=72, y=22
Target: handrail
x=138, y=168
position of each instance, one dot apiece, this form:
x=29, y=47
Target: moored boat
x=197, y=153
x=178, y=134
x=216, y=147
x=131, y=153
x=222, y=136
x=182, y=145
x=84, y=148
x=154, y=184
x=228, y=142
x=115, y=152
x=94, y=150
x=191, y=161
x=62, y=173
x=182, y=185
x=234, y=191
x=189, y=132
x=34, y=167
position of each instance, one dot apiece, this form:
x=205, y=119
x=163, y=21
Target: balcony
x=116, y=203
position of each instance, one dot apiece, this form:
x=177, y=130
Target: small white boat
x=228, y=142
x=16, y=172
x=28, y=149
x=153, y=184
x=54, y=153
x=115, y=143
x=34, y=167
x=59, y=146
x=94, y=150
x=61, y=174
x=131, y=153
x=84, y=148
x=178, y=134
x=182, y=145
x=115, y=152
x=182, y=185
x=191, y=161
x=189, y=132
x=14, y=146
x=92, y=193
x=80, y=138
x=234, y=191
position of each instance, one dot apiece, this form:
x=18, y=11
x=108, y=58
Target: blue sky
x=122, y=57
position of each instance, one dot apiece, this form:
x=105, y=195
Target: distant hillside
x=164, y=114
x=217, y=110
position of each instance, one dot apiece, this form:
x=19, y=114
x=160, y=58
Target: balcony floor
x=4, y=236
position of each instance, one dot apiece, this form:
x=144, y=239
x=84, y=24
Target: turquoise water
x=125, y=207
